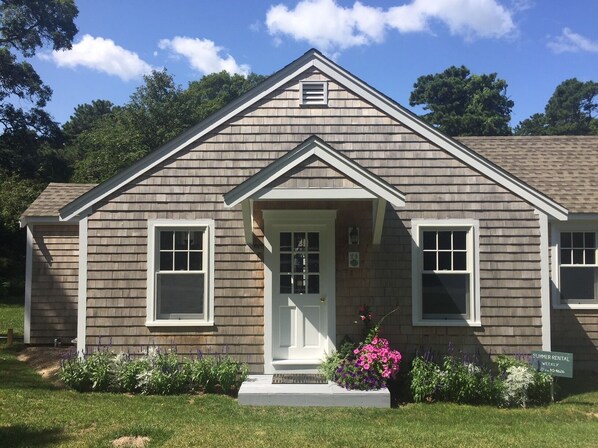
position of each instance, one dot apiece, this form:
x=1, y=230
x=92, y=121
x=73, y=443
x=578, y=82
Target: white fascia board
x=290, y=194
x=456, y=149
x=313, y=146
x=96, y=194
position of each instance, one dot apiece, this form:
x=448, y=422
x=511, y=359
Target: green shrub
x=523, y=384
x=425, y=379
x=155, y=372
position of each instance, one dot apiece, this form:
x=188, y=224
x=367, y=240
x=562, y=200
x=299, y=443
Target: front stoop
x=258, y=390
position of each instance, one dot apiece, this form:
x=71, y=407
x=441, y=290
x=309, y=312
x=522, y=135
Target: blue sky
x=532, y=44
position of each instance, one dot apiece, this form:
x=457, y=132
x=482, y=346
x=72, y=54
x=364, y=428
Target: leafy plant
x=425, y=379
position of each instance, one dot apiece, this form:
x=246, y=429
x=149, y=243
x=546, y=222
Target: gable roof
x=314, y=146
x=314, y=58
x=563, y=167
x=51, y=200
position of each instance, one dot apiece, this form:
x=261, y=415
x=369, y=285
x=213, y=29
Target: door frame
x=273, y=220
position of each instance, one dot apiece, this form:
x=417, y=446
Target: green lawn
x=34, y=413
x=11, y=315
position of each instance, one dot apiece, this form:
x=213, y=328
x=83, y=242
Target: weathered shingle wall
x=54, y=283
x=436, y=186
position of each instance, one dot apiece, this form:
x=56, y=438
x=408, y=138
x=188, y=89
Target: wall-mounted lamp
x=354, y=236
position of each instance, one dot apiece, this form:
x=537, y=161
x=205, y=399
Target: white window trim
x=153, y=226
x=473, y=254
x=555, y=236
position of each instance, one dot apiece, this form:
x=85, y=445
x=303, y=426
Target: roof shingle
x=564, y=168
x=53, y=198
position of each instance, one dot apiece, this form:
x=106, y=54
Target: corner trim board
x=544, y=280
x=28, y=280
x=82, y=288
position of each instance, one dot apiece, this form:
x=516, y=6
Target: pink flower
x=362, y=317
x=366, y=366
x=356, y=351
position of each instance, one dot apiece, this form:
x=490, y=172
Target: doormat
x=298, y=378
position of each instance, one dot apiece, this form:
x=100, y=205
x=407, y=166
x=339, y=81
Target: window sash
x=578, y=253
x=202, y=296
x=468, y=271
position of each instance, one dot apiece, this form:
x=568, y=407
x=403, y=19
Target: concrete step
x=258, y=390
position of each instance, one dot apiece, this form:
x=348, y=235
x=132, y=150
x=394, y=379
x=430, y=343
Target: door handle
x=322, y=299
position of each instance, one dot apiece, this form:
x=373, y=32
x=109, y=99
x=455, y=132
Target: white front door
x=301, y=265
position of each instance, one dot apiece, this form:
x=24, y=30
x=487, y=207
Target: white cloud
x=102, y=55
x=570, y=42
x=203, y=55
x=331, y=27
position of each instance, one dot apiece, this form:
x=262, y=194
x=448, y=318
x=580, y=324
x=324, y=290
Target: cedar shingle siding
x=436, y=185
x=54, y=283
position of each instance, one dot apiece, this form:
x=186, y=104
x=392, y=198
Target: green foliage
x=456, y=379
x=332, y=361
x=571, y=110
x=464, y=104
x=25, y=26
x=155, y=373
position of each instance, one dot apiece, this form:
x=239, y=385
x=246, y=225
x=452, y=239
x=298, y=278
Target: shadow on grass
x=581, y=383
x=15, y=374
x=23, y=436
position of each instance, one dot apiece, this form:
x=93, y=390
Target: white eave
x=313, y=58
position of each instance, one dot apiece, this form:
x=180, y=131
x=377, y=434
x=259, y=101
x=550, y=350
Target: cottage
x=260, y=231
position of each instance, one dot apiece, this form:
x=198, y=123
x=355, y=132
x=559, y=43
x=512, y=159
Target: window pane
x=299, y=284
x=577, y=256
x=444, y=261
x=180, y=294
x=429, y=261
x=566, y=239
x=444, y=295
x=313, y=263
x=460, y=240
x=285, y=284
x=565, y=256
x=590, y=256
x=285, y=241
x=459, y=261
x=299, y=243
x=166, y=261
x=196, y=240
x=299, y=263
x=195, y=261
x=180, y=240
x=590, y=239
x=180, y=261
x=577, y=239
x=444, y=240
x=166, y=239
x=313, y=286
x=579, y=283
x=313, y=241
x=285, y=262
x=429, y=240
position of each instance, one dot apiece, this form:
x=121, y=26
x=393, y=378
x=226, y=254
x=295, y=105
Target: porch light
x=354, y=236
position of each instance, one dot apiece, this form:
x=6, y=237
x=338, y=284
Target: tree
x=464, y=104
x=85, y=117
x=158, y=111
x=571, y=110
x=25, y=26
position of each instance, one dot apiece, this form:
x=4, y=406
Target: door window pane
x=299, y=241
x=285, y=262
x=313, y=285
x=285, y=284
x=313, y=241
x=299, y=284
x=313, y=263
x=285, y=241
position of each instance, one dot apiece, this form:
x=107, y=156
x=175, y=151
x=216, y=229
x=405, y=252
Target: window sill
x=178, y=323
x=446, y=323
x=575, y=306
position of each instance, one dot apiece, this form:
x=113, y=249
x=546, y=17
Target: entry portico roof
x=261, y=184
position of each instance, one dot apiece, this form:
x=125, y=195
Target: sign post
x=554, y=364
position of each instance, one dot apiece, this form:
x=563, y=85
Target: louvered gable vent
x=314, y=93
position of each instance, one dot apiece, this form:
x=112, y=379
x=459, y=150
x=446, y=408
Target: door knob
x=323, y=299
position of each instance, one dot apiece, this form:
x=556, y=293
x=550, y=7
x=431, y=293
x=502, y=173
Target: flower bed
x=155, y=372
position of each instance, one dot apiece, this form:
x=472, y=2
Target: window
x=314, y=93
x=299, y=262
x=180, y=272
x=445, y=275
x=578, y=267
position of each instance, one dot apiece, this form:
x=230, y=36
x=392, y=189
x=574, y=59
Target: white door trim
x=272, y=219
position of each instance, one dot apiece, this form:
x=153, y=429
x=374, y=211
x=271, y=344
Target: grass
x=35, y=413
x=11, y=315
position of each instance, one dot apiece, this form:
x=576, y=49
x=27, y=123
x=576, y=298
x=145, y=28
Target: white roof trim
x=313, y=146
x=315, y=59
